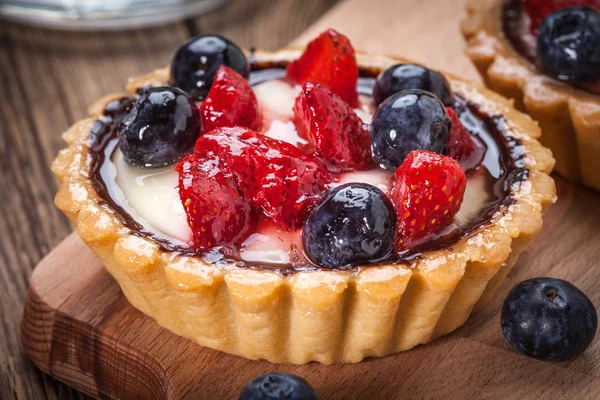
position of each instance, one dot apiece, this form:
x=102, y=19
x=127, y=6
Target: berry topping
x=278, y=386
x=407, y=121
x=237, y=149
x=466, y=149
x=196, y=62
x=230, y=102
x=548, y=319
x=161, y=127
x=330, y=61
x=336, y=133
x=568, y=45
x=428, y=191
x=401, y=77
x=537, y=10
x=274, y=176
x=352, y=224
x=216, y=211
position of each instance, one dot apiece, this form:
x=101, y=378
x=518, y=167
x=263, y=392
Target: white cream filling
x=270, y=245
x=153, y=194
x=475, y=197
x=285, y=131
x=378, y=177
x=276, y=98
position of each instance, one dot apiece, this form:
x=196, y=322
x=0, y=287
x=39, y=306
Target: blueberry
x=276, y=386
x=407, y=121
x=196, y=62
x=161, y=127
x=352, y=224
x=548, y=319
x=401, y=77
x=568, y=45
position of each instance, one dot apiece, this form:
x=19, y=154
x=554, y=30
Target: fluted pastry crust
x=569, y=117
x=325, y=316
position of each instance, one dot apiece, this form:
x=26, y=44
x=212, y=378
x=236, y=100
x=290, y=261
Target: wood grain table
x=47, y=80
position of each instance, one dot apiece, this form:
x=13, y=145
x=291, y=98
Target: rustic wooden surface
x=105, y=347
x=47, y=80
x=474, y=362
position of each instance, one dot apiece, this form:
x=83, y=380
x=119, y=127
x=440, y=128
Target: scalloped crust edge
x=569, y=118
x=325, y=316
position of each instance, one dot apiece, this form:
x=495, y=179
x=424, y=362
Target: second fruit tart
x=305, y=206
x=545, y=54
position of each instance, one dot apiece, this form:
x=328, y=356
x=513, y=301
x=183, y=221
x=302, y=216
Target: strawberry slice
x=334, y=130
x=428, y=191
x=466, y=149
x=274, y=176
x=230, y=102
x=216, y=211
x=237, y=148
x=540, y=9
x=329, y=60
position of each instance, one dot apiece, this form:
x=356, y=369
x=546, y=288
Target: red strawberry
x=330, y=61
x=280, y=179
x=238, y=150
x=216, y=211
x=463, y=147
x=333, y=129
x=539, y=9
x=428, y=191
x=230, y=102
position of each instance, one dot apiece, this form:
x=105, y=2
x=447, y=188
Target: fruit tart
x=315, y=205
x=545, y=54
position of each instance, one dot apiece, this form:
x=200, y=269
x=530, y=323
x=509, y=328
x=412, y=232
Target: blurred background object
x=101, y=14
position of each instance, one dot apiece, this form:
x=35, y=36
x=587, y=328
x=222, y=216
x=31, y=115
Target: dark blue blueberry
x=407, y=121
x=161, y=127
x=568, y=45
x=196, y=62
x=352, y=224
x=400, y=77
x=548, y=319
x=278, y=386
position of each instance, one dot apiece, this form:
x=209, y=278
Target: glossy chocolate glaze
x=504, y=161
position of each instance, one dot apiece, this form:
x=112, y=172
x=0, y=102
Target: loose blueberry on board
x=278, y=386
x=568, y=45
x=161, y=127
x=196, y=62
x=407, y=121
x=548, y=319
x=352, y=224
x=401, y=77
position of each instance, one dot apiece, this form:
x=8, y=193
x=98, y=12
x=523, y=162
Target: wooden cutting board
x=78, y=326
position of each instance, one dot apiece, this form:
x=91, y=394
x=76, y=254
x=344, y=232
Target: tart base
x=569, y=117
x=325, y=316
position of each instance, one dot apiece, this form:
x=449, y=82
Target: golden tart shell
x=569, y=117
x=325, y=316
